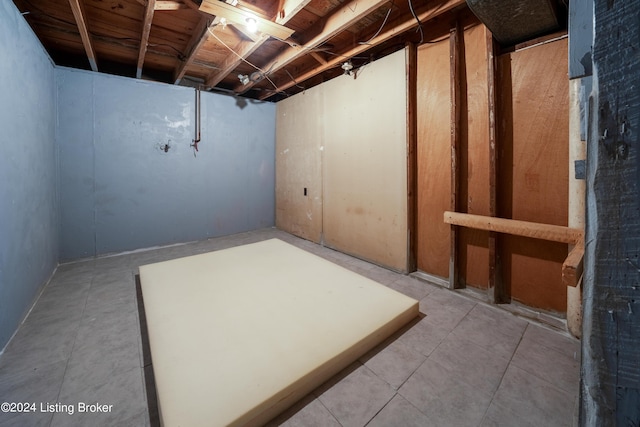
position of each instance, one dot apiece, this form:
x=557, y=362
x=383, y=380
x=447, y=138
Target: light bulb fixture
x=347, y=66
x=244, y=79
x=252, y=24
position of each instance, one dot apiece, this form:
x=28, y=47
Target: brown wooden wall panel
x=473, y=251
x=533, y=169
x=434, y=158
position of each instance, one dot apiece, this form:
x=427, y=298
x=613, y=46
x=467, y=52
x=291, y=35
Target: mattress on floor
x=239, y=335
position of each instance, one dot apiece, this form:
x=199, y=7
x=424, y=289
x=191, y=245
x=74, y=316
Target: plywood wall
x=434, y=158
x=361, y=135
x=473, y=251
x=534, y=169
x=299, y=145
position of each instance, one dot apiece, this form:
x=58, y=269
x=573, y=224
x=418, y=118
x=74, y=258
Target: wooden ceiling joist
x=232, y=61
x=289, y=8
x=435, y=10
x=341, y=19
x=169, y=5
x=242, y=51
x=200, y=37
x=240, y=16
x=144, y=39
x=78, y=13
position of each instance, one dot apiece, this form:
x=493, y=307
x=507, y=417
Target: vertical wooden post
x=455, y=38
x=495, y=287
x=412, y=154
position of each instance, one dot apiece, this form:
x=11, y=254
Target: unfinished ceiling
x=208, y=43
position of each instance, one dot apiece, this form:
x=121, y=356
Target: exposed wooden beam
x=496, y=291
x=318, y=58
x=169, y=5
x=247, y=48
x=434, y=10
x=455, y=66
x=144, y=39
x=343, y=18
x=412, y=153
x=200, y=36
x=573, y=266
x=289, y=8
x=553, y=233
x=78, y=13
x=239, y=16
x=243, y=50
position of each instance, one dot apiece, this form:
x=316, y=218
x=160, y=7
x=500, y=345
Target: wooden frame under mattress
x=240, y=334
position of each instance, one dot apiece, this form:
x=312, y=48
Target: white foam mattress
x=240, y=334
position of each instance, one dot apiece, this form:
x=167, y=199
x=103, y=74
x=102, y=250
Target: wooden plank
x=289, y=8
x=434, y=158
x=341, y=19
x=534, y=170
x=78, y=13
x=318, y=58
x=573, y=266
x=245, y=49
x=553, y=233
x=242, y=50
x=496, y=290
x=431, y=13
x=239, y=16
x=200, y=36
x=473, y=169
x=412, y=152
x=169, y=5
x=144, y=39
x=456, y=77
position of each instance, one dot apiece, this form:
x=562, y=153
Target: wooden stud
x=144, y=39
x=78, y=13
x=412, y=153
x=495, y=289
x=456, y=64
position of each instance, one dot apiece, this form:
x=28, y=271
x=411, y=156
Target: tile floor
x=463, y=363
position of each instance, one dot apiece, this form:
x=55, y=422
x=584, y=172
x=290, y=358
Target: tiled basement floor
x=463, y=364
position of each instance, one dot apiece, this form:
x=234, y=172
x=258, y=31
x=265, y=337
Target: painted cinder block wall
x=120, y=190
x=29, y=213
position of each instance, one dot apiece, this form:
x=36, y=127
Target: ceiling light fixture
x=252, y=24
x=244, y=79
x=347, y=66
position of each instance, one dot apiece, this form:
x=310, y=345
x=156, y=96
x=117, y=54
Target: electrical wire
x=294, y=80
x=381, y=26
x=262, y=72
x=413, y=12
